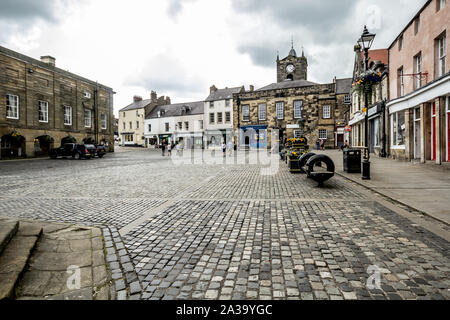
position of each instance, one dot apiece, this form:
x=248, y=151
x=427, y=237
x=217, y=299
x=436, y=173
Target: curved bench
x=320, y=176
x=304, y=159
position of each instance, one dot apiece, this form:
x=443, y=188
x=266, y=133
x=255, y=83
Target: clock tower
x=292, y=67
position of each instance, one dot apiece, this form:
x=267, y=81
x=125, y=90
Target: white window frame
x=246, y=113
x=347, y=99
x=321, y=135
x=279, y=110
x=43, y=110
x=131, y=125
x=67, y=116
x=211, y=104
x=212, y=118
x=394, y=121
x=227, y=102
x=298, y=108
x=149, y=126
x=11, y=108
x=137, y=124
x=326, y=112
x=87, y=120
x=442, y=55
x=200, y=124
x=167, y=126
x=103, y=121
x=441, y=4
x=186, y=125
x=219, y=117
x=418, y=67
x=262, y=112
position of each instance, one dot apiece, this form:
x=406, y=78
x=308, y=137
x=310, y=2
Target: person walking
x=230, y=148
x=163, y=148
x=322, y=144
x=224, y=149
x=169, y=149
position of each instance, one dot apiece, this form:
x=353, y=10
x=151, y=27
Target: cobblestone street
x=228, y=232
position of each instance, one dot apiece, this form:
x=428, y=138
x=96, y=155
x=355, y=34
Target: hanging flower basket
x=363, y=84
x=16, y=137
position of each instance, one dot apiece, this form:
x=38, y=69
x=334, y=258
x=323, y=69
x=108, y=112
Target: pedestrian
x=169, y=149
x=318, y=144
x=322, y=144
x=345, y=145
x=230, y=148
x=163, y=148
x=224, y=149
x=177, y=147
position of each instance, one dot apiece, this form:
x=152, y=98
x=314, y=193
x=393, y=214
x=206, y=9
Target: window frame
x=260, y=118
x=322, y=131
x=246, y=118
x=418, y=70
x=227, y=117
x=42, y=103
x=279, y=109
x=394, y=133
x=166, y=126
x=149, y=127
x=103, y=121
x=327, y=114
x=90, y=118
x=70, y=115
x=300, y=109
x=347, y=99
x=212, y=118
x=8, y=99
x=441, y=54
x=186, y=125
x=220, y=117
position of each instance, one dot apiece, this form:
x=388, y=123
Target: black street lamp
x=365, y=42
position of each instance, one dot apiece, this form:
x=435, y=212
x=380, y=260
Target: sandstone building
x=284, y=105
x=42, y=106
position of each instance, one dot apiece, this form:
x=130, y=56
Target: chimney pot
x=252, y=88
x=212, y=89
x=137, y=98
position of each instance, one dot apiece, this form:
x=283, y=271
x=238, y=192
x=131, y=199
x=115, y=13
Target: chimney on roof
x=48, y=60
x=137, y=98
x=167, y=100
x=212, y=89
x=153, y=96
x=252, y=88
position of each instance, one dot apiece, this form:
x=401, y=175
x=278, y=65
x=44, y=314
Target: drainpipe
x=96, y=112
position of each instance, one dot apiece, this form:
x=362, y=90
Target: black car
x=101, y=150
x=76, y=151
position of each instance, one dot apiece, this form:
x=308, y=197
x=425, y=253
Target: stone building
x=323, y=108
x=42, y=106
x=132, y=118
x=419, y=87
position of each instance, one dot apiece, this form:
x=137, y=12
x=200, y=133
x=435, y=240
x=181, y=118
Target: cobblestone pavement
x=228, y=232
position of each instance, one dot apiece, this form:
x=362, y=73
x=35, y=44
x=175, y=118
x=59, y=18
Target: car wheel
x=76, y=156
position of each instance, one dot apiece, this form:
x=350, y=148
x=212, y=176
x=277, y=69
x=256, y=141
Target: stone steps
x=18, y=240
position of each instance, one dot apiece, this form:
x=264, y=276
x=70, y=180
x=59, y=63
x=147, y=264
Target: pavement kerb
x=391, y=199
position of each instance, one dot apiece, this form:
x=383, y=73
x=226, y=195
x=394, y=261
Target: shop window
x=398, y=129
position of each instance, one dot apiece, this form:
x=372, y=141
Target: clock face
x=290, y=68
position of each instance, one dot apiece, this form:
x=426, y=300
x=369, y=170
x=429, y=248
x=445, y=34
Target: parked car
x=101, y=151
x=76, y=151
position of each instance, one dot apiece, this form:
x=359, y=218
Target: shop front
x=253, y=137
x=165, y=139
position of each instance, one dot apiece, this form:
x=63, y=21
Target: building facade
x=419, y=87
x=323, y=109
x=42, y=106
x=377, y=97
x=218, y=116
x=132, y=119
x=180, y=123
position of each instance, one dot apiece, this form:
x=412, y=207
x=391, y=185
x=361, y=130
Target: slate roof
x=288, y=84
x=344, y=86
x=175, y=110
x=136, y=105
x=222, y=94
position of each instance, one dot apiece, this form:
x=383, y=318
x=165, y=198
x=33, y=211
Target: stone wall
x=33, y=81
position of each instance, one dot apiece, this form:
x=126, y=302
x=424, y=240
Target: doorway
x=417, y=136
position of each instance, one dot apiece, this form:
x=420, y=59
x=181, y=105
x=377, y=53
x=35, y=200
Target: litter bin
x=352, y=160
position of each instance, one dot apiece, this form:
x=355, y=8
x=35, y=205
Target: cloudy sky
x=180, y=48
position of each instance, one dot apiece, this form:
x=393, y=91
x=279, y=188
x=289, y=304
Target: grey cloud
x=28, y=9
x=261, y=55
x=165, y=74
x=176, y=6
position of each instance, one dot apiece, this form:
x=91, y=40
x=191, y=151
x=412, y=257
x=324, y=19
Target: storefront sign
x=292, y=126
x=348, y=128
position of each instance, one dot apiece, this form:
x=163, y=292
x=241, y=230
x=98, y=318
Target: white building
x=176, y=123
x=218, y=116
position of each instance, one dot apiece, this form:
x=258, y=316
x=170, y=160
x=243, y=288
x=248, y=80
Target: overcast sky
x=180, y=48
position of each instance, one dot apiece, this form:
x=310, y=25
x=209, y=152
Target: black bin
x=352, y=160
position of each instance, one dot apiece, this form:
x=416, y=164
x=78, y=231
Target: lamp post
x=365, y=42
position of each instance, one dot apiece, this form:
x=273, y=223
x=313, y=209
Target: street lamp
x=365, y=41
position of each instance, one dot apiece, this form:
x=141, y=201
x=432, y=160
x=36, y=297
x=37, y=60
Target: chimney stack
x=137, y=98
x=167, y=100
x=153, y=96
x=48, y=60
x=252, y=88
x=212, y=89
